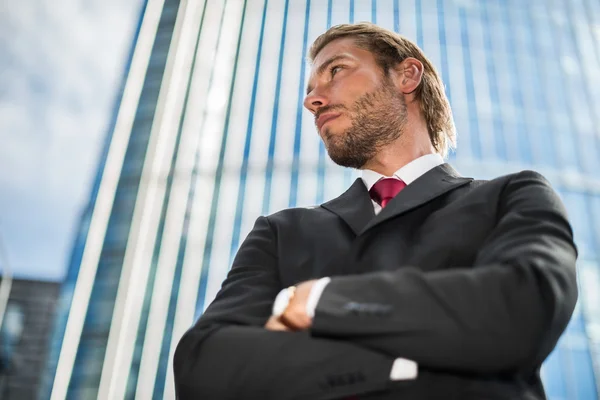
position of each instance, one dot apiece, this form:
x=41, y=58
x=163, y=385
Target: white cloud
x=61, y=63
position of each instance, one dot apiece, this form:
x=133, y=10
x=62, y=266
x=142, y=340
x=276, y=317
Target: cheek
x=344, y=92
x=349, y=89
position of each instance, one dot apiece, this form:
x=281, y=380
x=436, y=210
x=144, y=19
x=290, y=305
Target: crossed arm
x=503, y=313
x=229, y=354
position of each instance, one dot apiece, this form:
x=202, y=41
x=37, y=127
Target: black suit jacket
x=473, y=280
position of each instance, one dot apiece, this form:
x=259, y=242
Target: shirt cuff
x=315, y=294
x=404, y=369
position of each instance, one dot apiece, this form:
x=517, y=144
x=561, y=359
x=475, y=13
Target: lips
x=323, y=119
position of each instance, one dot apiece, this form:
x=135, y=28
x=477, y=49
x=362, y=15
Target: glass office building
x=210, y=133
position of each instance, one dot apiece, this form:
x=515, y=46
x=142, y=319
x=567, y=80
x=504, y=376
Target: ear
x=409, y=74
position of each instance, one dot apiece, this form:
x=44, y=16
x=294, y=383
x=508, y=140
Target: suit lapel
x=427, y=187
x=353, y=206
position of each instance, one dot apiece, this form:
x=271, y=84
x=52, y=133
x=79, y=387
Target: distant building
x=27, y=321
x=210, y=134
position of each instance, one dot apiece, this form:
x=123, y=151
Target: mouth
x=325, y=118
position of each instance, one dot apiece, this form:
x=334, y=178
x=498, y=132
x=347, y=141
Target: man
x=416, y=283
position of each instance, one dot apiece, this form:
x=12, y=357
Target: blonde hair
x=389, y=49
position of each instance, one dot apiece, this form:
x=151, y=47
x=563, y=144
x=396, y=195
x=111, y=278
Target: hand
x=275, y=324
x=295, y=317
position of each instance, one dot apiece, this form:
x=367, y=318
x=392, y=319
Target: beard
x=377, y=119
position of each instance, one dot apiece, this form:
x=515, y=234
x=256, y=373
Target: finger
x=274, y=324
x=295, y=317
x=293, y=322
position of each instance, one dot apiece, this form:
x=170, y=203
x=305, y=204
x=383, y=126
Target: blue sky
x=61, y=64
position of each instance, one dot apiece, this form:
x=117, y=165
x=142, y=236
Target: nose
x=315, y=100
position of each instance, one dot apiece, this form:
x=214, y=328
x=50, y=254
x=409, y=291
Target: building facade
x=27, y=318
x=211, y=133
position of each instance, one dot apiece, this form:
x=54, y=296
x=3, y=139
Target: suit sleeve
x=504, y=313
x=228, y=354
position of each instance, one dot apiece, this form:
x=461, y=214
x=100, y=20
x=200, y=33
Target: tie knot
x=386, y=189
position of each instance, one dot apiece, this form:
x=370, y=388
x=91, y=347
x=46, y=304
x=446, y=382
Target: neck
x=404, y=150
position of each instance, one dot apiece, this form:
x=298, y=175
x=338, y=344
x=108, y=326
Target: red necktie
x=386, y=189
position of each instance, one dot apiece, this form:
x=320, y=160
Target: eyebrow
x=326, y=64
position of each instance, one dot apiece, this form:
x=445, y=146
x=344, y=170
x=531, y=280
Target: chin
x=346, y=161
x=330, y=135
x=335, y=127
x=332, y=142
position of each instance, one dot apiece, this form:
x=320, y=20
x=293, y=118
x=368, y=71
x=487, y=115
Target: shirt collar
x=408, y=173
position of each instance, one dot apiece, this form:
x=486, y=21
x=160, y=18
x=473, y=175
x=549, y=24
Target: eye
x=334, y=69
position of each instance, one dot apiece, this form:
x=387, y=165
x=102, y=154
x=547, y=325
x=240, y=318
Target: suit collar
x=355, y=207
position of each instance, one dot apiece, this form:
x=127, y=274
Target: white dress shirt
x=408, y=174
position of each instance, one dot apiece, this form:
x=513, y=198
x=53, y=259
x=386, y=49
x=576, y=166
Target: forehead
x=341, y=47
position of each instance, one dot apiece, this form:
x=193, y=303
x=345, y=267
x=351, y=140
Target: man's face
x=357, y=108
